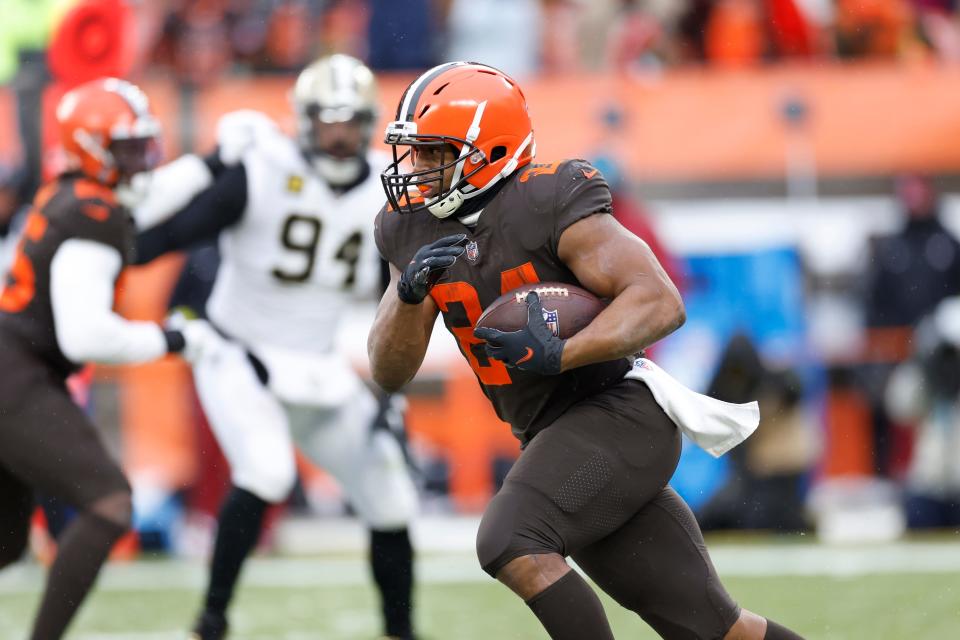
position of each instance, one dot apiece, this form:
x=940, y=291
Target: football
x=566, y=308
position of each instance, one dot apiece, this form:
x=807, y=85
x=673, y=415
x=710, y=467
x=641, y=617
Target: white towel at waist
x=715, y=426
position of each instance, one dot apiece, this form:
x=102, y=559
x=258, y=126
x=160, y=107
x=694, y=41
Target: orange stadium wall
x=695, y=124
x=713, y=124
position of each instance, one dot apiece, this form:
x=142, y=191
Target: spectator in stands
x=195, y=42
x=912, y=270
x=909, y=273
x=505, y=34
x=765, y=489
x=925, y=391
x=405, y=36
x=638, y=36
x=561, y=52
x=343, y=27
x=691, y=30
x=746, y=32
x=290, y=43
x=735, y=33
x=877, y=28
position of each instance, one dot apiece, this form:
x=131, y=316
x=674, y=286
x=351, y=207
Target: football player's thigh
x=658, y=566
x=368, y=464
x=16, y=506
x=50, y=444
x=249, y=422
x=599, y=462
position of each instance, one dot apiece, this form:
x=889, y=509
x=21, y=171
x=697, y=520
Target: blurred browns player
x=56, y=314
x=295, y=224
x=598, y=449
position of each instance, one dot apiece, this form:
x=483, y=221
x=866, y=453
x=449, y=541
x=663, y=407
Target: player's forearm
x=636, y=318
x=213, y=210
x=82, y=274
x=397, y=342
x=169, y=188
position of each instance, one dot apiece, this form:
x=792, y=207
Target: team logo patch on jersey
x=294, y=184
x=552, y=318
x=473, y=251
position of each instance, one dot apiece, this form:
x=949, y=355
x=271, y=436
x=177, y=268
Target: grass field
x=891, y=592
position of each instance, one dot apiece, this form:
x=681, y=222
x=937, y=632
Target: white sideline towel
x=713, y=425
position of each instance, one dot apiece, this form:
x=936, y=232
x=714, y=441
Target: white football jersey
x=300, y=254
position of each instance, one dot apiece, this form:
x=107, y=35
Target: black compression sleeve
x=214, y=163
x=219, y=206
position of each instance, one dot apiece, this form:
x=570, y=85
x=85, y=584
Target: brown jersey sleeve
x=581, y=191
x=381, y=236
x=398, y=236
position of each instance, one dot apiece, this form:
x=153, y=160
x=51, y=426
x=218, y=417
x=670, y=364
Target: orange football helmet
x=108, y=131
x=478, y=110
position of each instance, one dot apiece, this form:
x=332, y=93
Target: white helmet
x=335, y=99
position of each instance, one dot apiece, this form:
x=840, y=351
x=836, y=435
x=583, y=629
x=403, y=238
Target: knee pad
x=511, y=528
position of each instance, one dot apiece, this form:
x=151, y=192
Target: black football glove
x=533, y=348
x=428, y=265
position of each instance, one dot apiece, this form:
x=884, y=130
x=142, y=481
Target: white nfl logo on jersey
x=473, y=251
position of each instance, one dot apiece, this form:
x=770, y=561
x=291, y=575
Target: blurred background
x=794, y=164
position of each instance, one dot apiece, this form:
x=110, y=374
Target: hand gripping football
x=566, y=308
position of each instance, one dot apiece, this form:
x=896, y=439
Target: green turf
x=894, y=607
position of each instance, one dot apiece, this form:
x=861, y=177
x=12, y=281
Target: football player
x=56, y=314
x=598, y=448
x=295, y=222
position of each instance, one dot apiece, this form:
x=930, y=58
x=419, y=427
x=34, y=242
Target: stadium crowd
x=202, y=40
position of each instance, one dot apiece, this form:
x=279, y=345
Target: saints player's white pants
x=257, y=432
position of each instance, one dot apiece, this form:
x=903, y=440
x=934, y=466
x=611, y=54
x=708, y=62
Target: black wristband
x=175, y=341
x=214, y=163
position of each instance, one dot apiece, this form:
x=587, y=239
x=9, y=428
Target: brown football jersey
x=513, y=242
x=71, y=207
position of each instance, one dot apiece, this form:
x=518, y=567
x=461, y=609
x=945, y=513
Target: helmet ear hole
x=498, y=152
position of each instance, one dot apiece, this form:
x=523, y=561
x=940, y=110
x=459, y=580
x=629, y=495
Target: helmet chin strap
x=445, y=207
x=337, y=173
x=450, y=203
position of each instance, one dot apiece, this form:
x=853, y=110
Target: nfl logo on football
x=552, y=318
x=473, y=251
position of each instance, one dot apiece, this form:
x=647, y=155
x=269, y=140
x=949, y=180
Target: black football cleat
x=209, y=626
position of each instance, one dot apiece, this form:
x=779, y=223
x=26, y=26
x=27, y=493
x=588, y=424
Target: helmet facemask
x=440, y=188
x=335, y=141
x=131, y=156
